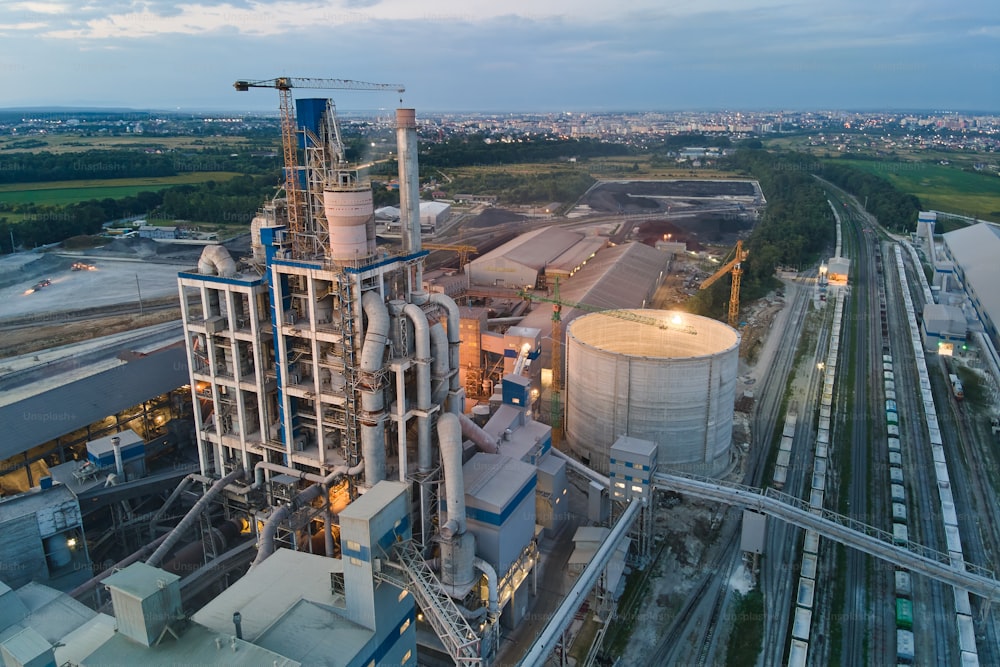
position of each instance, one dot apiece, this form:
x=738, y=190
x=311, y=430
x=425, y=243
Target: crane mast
x=735, y=267
x=293, y=192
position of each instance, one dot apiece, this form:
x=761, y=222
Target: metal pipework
x=266, y=547
x=193, y=515
x=456, y=402
x=372, y=400
x=439, y=367
x=450, y=439
x=483, y=440
x=422, y=354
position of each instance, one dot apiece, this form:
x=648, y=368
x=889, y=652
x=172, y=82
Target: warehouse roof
x=619, y=277
x=269, y=589
x=37, y=419
x=534, y=249
x=975, y=249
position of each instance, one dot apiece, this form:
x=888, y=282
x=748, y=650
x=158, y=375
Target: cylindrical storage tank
x=674, y=385
x=350, y=214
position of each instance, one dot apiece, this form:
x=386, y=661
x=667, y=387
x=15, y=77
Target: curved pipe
x=483, y=440
x=181, y=488
x=423, y=353
x=491, y=585
x=439, y=367
x=454, y=340
x=372, y=400
x=330, y=478
x=266, y=547
x=216, y=260
x=450, y=439
x=192, y=516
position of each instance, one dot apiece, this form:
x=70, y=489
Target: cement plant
x=446, y=434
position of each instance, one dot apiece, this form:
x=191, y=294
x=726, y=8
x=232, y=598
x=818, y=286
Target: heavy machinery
x=555, y=400
x=289, y=144
x=734, y=266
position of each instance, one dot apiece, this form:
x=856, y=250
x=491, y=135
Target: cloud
x=40, y=7
x=986, y=31
x=24, y=25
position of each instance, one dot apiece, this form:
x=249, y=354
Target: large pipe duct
x=458, y=547
x=193, y=515
x=266, y=547
x=328, y=479
x=372, y=400
x=216, y=260
x=491, y=586
x=409, y=180
x=457, y=402
x=450, y=439
x=423, y=353
x=483, y=440
x=190, y=557
x=439, y=367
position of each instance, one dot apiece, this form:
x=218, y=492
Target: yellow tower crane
x=555, y=400
x=734, y=266
x=289, y=144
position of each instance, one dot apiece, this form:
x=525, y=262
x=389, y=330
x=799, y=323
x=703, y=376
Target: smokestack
x=116, y=445
x=409, y=180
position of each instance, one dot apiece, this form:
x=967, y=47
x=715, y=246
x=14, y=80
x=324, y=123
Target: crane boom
x=289, y=145
x=289, y=82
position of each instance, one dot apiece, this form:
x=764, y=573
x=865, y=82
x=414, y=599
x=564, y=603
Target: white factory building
x=551, y=251
x=971, y=255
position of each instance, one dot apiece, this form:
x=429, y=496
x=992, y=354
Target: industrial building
x=970, y=253
x=322, y=370
x=520, y=263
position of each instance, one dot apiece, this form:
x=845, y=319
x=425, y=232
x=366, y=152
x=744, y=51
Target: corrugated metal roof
x=86, y=639
x=269, y=589
x=51, y=613
x=577, y=254
x=31, y=502
x=140, y=580
x=976, y=249
x=38, y=419
x=308, y=633
x=196, y=646
x=493, y=480
x=534, y=249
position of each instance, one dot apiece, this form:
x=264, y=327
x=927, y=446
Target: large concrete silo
x=673, y=384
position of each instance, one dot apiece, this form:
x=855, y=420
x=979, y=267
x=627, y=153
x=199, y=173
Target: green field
x=70, y=143
x=71, y=192
x=940, y=187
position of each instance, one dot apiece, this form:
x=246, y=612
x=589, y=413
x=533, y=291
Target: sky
x=507, y=55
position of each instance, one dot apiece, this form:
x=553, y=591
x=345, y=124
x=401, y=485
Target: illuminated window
x=353, y=546
x=406, y=657
x=636, y=489
x=402, y=595
x=620, y=485
x=355, y=561
x=404, y=626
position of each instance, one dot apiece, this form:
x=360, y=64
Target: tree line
x=894, y=209
x=111, y=164
x=795, y=227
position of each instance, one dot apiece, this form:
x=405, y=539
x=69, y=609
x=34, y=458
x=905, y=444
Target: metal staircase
x=458, y=637
x=348, y=354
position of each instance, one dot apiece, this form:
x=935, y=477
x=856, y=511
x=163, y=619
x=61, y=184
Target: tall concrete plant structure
x=673, y=385
x=322, y=365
